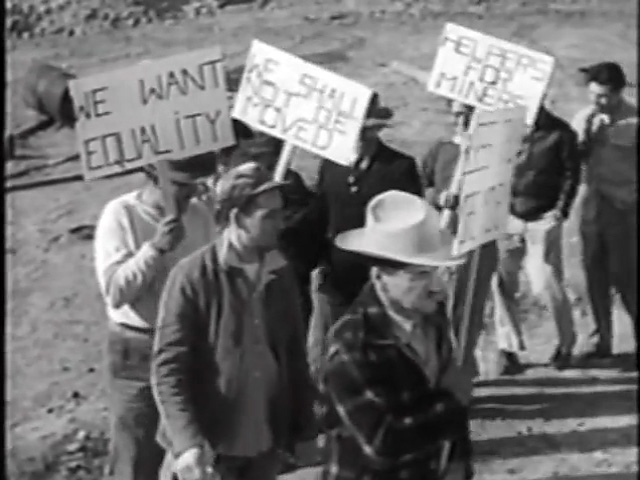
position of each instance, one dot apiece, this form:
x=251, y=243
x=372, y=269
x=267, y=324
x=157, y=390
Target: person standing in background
x=136, y=245
x=544, y=186
x=607, y=131
x=342, y=196
x=438, y=167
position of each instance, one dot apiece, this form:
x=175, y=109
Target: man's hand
x=448, y=200
x=459, y=382
x=556, y=216
x=169, y=234
x=193, y=465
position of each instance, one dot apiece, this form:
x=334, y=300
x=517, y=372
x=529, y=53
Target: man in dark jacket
x=228, y=368
x=545, y=183
x=342, y=195
x=438, y=168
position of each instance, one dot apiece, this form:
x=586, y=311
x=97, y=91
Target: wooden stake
x=456, y=182
x=284, y=161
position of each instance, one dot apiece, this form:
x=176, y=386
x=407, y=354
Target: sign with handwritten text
x=494, y=141
x=301, y=103
x=170, y=108
x=488, y=72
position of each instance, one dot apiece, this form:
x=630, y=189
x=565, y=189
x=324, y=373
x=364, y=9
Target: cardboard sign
x=495, y=138
x=301, y=103
x=488, y=72
x=170, y=108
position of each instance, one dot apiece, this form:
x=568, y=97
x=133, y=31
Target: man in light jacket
x=136, y=244
x=228, y=369
x=608, y=138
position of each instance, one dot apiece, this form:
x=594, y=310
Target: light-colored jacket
x=130, y=272
x=609, y=151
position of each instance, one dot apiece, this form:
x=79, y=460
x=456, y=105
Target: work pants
x=610, y=248
x=537, y=247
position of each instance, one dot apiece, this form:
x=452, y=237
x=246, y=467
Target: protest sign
x=301, y=103
x=488, y=72
x=494, y=140
x=170, y=108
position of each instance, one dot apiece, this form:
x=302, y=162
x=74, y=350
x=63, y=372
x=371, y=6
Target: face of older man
x=416, y=288
x=604, y=98
x=261, y=220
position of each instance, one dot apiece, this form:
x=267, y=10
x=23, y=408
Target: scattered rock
x=76, y=395
x=82, y=232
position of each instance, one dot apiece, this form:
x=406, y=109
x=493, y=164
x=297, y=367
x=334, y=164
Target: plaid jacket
x=387, y=421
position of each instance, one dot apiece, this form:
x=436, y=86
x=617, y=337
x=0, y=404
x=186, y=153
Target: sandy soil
x=580, y=424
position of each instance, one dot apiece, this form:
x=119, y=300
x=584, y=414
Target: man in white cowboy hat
x=342, y=195
x=137, y=242
x=394, y=392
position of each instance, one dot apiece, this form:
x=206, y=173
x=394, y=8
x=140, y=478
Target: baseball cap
x=238, y=185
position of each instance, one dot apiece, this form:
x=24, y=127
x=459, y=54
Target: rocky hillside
x=28, y=18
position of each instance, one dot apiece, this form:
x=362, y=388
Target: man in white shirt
x=608, y=137
x=137, y=243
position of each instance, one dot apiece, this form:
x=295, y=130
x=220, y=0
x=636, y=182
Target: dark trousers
x=134, y=453
x=610, y=254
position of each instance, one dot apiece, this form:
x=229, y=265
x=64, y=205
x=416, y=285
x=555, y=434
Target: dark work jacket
x=197, y=349
x=338, y=207
x=547, y=176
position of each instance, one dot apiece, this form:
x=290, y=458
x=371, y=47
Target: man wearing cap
x=228, y=370
x=396, y=395
x=342, y=195
x=608, y=134
x=137, y=242
x=296, y=196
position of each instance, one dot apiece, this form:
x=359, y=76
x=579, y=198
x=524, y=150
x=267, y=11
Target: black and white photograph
x=321, y=239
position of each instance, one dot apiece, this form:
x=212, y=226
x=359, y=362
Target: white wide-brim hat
x=402, y=228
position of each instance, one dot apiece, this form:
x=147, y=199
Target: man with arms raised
x=228, y=369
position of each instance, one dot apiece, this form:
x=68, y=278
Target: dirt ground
x=580, y=424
